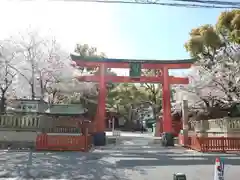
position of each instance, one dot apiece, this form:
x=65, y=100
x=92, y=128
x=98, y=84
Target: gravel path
x=133, y=159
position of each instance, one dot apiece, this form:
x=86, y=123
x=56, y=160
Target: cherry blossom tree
x=42, y=62
x=216, y=49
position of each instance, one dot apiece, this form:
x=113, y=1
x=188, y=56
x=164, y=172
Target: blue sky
x=159, y=32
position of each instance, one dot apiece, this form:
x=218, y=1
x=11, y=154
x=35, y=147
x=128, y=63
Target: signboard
x=219, y=169
x=135, y=69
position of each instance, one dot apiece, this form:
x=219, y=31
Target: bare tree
x=7, y=73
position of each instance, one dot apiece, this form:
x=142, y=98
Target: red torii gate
x=102, y=78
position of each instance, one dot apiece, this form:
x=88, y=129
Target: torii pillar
x=166, y=101
x=101, y=109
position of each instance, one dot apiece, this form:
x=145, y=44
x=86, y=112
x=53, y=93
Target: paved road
x=135, y=159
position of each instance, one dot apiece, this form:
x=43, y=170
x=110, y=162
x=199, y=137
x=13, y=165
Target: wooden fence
x=61, y=141
x=212, y=144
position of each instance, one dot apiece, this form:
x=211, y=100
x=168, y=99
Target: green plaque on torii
x=135, y=69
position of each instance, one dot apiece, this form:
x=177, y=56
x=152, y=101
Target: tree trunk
x=3, y=104
x=32, y=92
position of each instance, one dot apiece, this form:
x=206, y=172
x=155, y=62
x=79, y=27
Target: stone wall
x=24, y=128
x=36, y=122
x=229, y=127
x=24, y=123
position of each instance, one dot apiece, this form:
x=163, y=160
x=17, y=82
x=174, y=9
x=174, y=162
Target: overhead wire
x=210, y=4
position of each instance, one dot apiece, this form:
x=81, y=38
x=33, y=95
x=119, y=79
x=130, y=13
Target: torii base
x=167, y=139
x=99, y=139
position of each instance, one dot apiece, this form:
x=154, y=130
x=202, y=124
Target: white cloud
x=69, y=22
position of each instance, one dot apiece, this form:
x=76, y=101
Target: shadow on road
x=59, y=165
x=109, y=163
x=160, y=156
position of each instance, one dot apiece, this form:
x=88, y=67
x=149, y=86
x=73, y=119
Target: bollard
x=179, y=176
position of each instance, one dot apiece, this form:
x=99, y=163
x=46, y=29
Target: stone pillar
x=185, y=122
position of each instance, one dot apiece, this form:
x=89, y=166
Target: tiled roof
x=67, y=109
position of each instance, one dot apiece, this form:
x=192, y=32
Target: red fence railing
x=45, y=142
x=212, y=144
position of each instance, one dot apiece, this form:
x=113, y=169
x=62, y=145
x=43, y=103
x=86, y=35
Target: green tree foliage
x=229, y=25
x=85, y=50
x=217, y=50
x=154, y=91
x=121, y=98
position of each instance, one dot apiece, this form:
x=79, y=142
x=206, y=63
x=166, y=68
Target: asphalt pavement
x=131, y=159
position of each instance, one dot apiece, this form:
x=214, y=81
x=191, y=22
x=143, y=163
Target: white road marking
x=234, y=158
x=188, y=158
